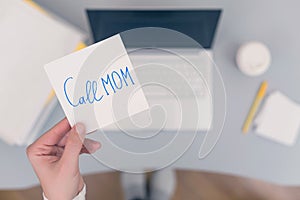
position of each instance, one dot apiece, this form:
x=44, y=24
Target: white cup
x=253, y=58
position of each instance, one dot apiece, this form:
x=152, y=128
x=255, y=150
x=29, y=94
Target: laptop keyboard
x=173, y=77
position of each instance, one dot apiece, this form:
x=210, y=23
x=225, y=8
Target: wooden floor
x=191, y=186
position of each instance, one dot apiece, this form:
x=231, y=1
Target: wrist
x=80, y=186
x=80, y=196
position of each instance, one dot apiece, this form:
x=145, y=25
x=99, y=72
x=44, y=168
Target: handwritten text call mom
x=110, y=83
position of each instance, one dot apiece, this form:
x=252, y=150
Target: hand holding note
x=55, y=156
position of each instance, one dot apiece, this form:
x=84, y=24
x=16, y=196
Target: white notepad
x=279, y=119
x=29, y=39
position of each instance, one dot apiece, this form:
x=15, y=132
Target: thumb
x=73, y=146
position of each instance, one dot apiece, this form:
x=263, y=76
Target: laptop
x=200, y=25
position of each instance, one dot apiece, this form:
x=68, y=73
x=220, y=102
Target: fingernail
x=97, y=145
x=80, y=128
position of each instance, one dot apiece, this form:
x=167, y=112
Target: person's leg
x=133, y=186
x=162, y=184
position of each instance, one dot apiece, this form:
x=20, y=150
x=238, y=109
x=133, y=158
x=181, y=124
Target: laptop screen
x=198, y=24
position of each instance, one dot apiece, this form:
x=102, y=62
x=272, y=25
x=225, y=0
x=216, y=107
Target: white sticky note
x=97, y=85
x=279, y=119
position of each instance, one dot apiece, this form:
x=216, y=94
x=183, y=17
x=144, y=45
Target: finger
x=90, y=146
x=50, y=151
x=55, y=134
x=63, y=141
x=73, y=147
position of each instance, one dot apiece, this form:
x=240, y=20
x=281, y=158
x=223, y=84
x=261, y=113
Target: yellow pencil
x=259, y=97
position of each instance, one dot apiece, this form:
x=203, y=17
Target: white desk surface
x=273, y=22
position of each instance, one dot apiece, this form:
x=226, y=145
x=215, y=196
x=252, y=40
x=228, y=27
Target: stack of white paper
x=29, y=39
x=279, y=119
